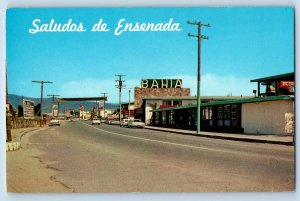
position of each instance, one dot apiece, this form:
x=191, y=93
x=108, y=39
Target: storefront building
x=271, y=112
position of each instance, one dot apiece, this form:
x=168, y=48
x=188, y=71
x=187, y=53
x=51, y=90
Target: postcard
x=185, y=99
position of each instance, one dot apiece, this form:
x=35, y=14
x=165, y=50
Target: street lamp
x=42, y=87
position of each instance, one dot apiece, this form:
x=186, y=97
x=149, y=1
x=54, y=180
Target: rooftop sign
x=161, y=83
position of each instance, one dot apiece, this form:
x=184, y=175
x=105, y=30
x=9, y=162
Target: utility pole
x=42, y=88
x=104, y=103
x=53, y=95
x=129, y=91
x=199, y=37
x=8, y=115
x=120, y=86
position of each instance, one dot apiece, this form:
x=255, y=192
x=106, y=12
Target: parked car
x=54, y=122
x=96, y=121
x=114, y=122
x=124, y=122
x=137, y=123
x=103, y=120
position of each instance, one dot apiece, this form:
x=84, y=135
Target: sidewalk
x=271, y=139
x=16, y=135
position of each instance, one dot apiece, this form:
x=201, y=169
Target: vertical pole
x=8, y=120
x=104, y=106
x=97, y=109
x=119, y=86
x=198, y=79
x=120, y=90
x=57, y=108
x=129, y=105
x=52, y=106
x=41, y=110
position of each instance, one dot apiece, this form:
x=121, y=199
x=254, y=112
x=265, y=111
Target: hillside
x=16, y=100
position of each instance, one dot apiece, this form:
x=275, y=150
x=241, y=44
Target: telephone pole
x=104, y=95
x=129, y=91
x=8, y=115
x=120, y=86
x=199, y=37
x=53, y=95
x=42, y=88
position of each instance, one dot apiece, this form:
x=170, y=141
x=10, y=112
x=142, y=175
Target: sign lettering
x=161, y=83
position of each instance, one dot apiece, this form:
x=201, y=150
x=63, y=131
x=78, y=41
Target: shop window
x=177, y=103
x=166, y=102
x=207, y=113
x=234, y=115
x=220, y=115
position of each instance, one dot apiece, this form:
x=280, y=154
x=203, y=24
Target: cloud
x=217, y=85
x=211, y=85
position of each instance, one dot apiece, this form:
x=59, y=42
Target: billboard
x=101, y=105
x=28, y=109
x=55, y=110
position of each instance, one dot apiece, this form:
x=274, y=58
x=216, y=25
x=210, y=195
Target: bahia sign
x=161, y=83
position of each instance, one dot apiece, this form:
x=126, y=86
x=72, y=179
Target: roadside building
x=107, y=112
x=127, y=110
x=84, y=115
x=156, y=88
x=271, y=112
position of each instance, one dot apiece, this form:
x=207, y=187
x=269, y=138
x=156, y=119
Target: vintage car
x=54, y=122
x=96, y=121
x=124, y=123
x=135, y=123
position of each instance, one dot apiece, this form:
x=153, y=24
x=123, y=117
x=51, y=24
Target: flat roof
x=195, y=98
x=237, y=101
x=287, y=76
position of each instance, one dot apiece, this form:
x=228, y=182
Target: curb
x=228, y=137
x=16, y=144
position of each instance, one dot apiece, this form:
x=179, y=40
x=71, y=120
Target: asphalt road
x=108, y=158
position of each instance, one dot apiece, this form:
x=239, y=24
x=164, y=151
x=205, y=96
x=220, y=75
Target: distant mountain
x=16, y=100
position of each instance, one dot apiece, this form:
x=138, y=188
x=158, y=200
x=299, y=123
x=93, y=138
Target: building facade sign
x=28, y=109
x=161, y=83
x=289, y=85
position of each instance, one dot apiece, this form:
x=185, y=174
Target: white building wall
x=107, y=112
x=148, y=107
x=188, y=102
x=266, y=117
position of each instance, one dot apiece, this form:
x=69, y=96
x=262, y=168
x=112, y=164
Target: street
x=80, y=157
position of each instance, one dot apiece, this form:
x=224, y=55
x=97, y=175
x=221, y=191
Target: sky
x=244, y=43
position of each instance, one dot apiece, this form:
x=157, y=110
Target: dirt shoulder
x=26, y=173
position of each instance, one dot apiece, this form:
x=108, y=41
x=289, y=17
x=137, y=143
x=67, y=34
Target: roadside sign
x=28, y=109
